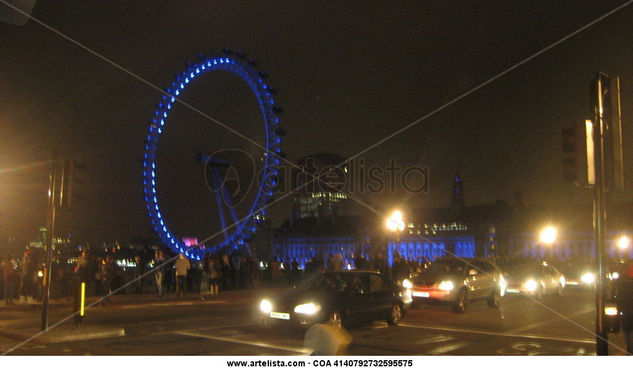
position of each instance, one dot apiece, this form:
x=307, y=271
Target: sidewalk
x=22, y=321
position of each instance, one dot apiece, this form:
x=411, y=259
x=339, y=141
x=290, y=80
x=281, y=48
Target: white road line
x=166, y=304
x=236, y=341
x=539, y=324
x=446, y=348
x=494, y=333
x=434, y=340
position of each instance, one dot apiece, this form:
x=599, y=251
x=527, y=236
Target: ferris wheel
x=236, y=234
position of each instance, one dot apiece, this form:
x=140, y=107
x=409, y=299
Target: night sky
x=347, y=75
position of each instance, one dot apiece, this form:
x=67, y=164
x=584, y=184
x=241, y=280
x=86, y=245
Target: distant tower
x=457, y=199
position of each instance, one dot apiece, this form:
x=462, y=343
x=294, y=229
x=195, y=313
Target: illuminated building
x=319, y=182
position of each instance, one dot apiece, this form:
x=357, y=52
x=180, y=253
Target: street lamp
x=623, y=244
x=548, y=235
x=395, y=222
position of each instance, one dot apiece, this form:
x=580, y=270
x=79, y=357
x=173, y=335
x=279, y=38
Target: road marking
x=495, y=333
x=236, y=341
x=446, y=348
x=539, y=324
x=166, y=304
x=435, y=339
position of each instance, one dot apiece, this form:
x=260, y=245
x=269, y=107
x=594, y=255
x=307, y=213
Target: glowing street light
x=395, y=222
x=548, y=235
x=623, y=242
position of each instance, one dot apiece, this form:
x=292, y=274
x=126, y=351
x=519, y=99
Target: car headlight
x=265, y=306
x=611, y=311
x=531, y=285
x=614, y=276
x=309, y=308
x=588, y=278
x=446, y=285
x=407, y=284
x=503, y=284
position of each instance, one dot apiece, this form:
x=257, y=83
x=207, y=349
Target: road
x=227, y=325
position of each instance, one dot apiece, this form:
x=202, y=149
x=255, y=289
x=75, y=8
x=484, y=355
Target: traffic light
x=68, y=181
x=605, y=95
x=578, y=160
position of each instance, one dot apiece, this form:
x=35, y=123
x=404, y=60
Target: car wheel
x=461, y=302
x=560, y=290
x=395, y=315
x=335, y=320
x=494, y=298
x=539, y=293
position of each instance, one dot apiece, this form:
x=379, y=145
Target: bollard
x=80, y=301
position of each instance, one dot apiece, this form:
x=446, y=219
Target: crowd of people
x=164, y=273
x=22, y=278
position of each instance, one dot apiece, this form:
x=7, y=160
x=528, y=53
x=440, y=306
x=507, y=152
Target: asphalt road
x=227, y=325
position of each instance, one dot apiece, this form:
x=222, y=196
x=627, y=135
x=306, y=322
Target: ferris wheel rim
x=263, y=93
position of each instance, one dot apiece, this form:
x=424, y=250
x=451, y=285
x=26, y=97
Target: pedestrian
x=361, y=262
x=294, y=272
x=331, y=263
x=244, y=272
x=254, y=272
x=182, y=266
x=624, y=287
x=227, y=272
x=108, y=274
x=8, y=276
x=275, y=273
x=27, y=275
x=159, y=274
x=205, y=279
x=138, y=272
x=214, y=275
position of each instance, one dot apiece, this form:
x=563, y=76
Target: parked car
x=535, y=280
x=459, y=282
x=337, y=298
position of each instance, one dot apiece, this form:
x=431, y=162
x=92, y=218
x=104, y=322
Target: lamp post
x=395, y=224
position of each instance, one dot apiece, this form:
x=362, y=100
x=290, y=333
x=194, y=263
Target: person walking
x=204, y=280
x=159, y=274
x=7, y=274
x=182, y=267
x=275, y=273
x=214, y=274
x=108, y=273
x=244, y=275
x=27, y=275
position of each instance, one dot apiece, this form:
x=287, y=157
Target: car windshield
x=523, y=271
x=446, y=267
x=328, y=282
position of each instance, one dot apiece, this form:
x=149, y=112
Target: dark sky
x=347, y=74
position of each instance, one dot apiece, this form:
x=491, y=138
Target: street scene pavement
x=228, y=324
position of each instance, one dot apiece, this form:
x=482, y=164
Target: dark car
x=458, y=282
x=337, y=298
x=534, y=279
x=580, y=274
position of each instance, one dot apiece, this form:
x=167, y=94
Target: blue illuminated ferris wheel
x=237, y=235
